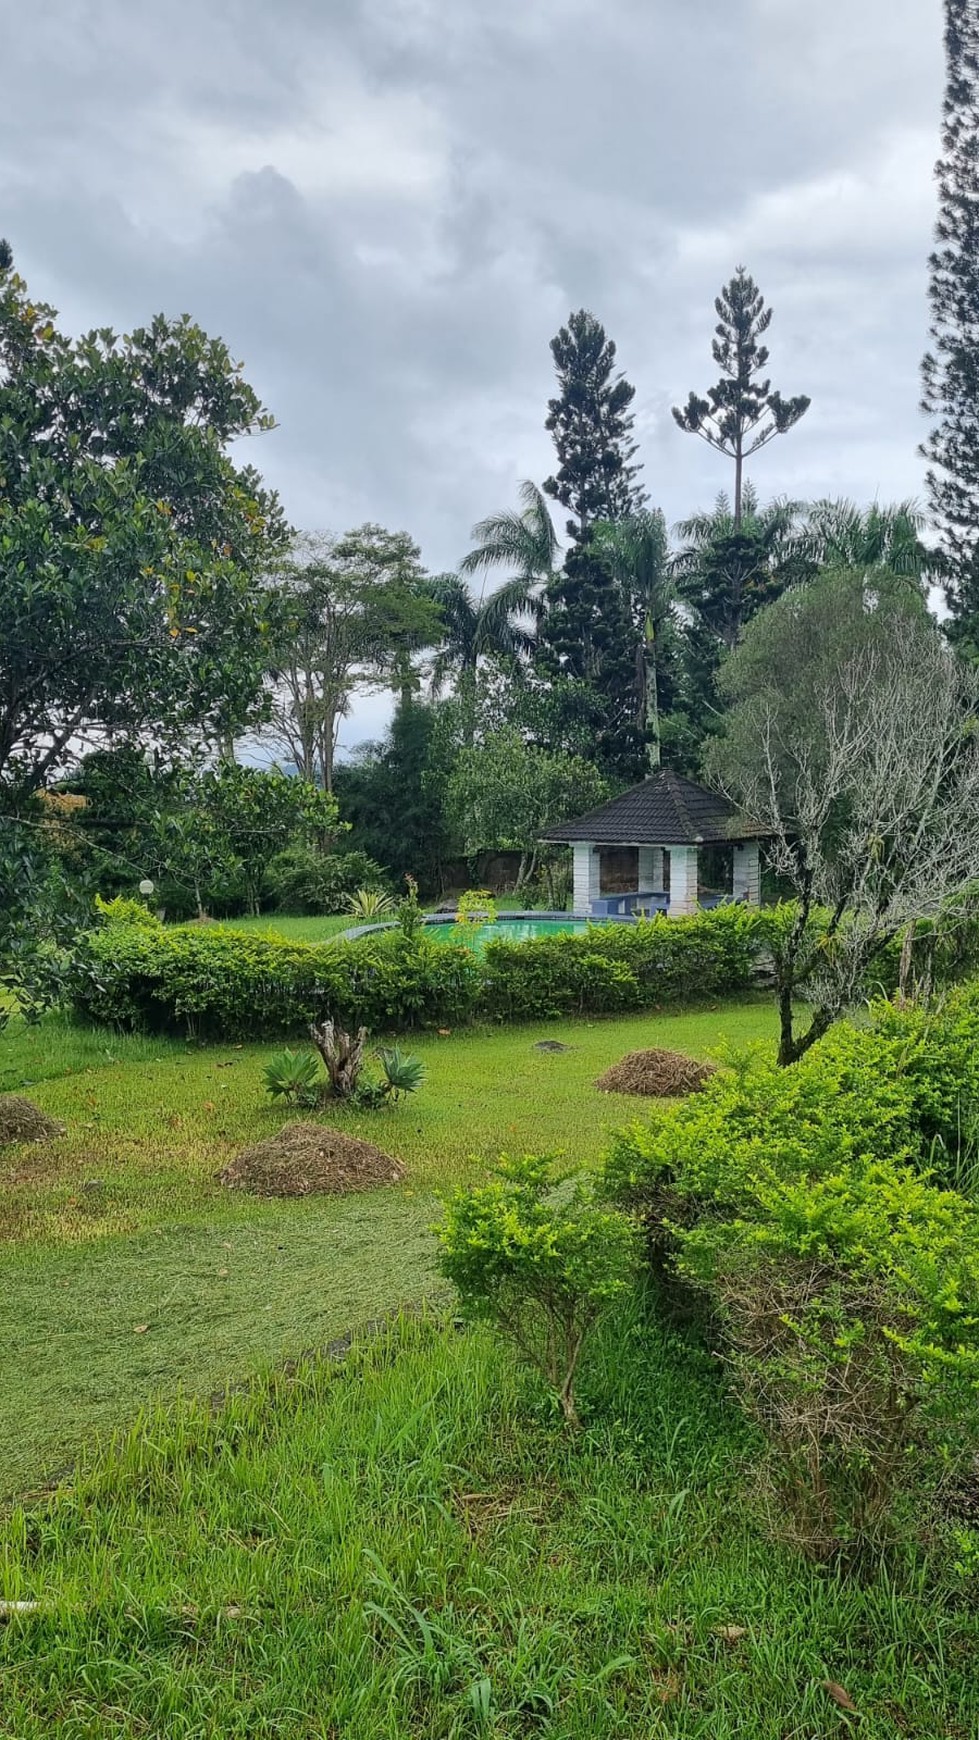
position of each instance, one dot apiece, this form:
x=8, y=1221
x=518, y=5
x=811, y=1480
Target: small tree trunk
x=342, y=1054
x=652, y=697
x=786, y=1027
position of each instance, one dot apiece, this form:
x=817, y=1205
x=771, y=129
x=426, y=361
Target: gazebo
x=644, y=852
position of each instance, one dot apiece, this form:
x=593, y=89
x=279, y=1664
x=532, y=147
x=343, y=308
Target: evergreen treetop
x=950, y=369
x=741, y=414
x=592, y=424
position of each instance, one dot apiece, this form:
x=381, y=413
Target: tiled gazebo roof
x=665, y=810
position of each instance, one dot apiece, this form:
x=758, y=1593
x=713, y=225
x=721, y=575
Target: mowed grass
x=294, y=928
x=408, y=1547
x=129, y=1272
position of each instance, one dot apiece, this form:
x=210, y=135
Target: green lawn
x=296, y=929
x=408, y=1548
x=128, y=1272
x=320, y=929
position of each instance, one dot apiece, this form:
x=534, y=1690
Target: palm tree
x=636, y=550
x=476, y=628
x=838, y=534
x=726, y=571
x=523, y=541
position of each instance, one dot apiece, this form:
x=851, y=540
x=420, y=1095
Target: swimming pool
x=476, y=936
x=512, y=927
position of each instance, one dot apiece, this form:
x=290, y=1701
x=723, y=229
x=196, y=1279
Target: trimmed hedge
x=617, y=967
x=225, y=984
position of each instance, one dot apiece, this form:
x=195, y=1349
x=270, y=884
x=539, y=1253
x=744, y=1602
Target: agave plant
x=293, y=1076
x=369, y=903
x=402, y=1074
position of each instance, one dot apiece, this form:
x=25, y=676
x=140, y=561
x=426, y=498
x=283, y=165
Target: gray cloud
x=388, y=206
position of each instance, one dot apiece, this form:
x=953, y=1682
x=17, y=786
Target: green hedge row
x=611, y=969
x=224, y=984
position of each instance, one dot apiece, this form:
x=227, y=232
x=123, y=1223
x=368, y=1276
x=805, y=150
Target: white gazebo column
x=746, y=884
x=651, y=869
x=684, y=888
x=587, y=876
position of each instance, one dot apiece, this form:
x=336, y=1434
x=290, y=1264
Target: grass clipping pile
x=659, y=1074
x=310, y=1160
x=22, y=1121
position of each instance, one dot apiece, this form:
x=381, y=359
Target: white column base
x=684, y=887
x=746, y=883
x=651, y=869
x=587, y=877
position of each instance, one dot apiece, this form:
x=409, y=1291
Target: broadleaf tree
x=853, y=737
x=130, y=542
x=503, y=792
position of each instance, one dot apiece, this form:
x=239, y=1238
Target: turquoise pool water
x=476, y=936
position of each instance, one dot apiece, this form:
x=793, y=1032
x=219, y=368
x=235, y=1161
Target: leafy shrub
x=410, y=915
x=224, y=984
x=307, y=882
x=542, y=1268
x=122, y=910
x=402, y=1074
x=369, y=903
x=936, y=1050
x=845, y=1284
x=617, y=967
x=293, y=1076
x=476, y=906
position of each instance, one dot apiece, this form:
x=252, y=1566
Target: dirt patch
x=310, y=1159
x=22, y=1121
x=663, y=1074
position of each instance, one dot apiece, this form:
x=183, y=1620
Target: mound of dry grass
x=306, y=1159
x=22, y=1121
x=659, y=1074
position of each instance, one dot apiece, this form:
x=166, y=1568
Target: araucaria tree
x=130, y=544
x=741, y=414
x=591, y=421
x=587, y=639
x=853, y=737
x=951, y=366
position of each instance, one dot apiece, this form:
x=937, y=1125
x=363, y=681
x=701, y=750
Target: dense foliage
x=541, y=1265
x=843, y=1276
x=228, y=984
x=129, y=540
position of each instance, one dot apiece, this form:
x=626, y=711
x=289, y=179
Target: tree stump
x=342, y=1054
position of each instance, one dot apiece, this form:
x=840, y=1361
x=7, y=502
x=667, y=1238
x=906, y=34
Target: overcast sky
x=388, y=207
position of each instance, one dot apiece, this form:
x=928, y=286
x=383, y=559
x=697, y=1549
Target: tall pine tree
x=951, y=367
x=587, y=642
x=741, y=414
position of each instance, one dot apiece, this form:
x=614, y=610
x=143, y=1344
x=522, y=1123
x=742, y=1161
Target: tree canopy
x=130, y=543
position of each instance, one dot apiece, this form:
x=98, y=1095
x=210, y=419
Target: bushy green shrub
x=541, y=1267
x=309, y=883
x=225, y=984
x=844, y=1282
x=617, y=967
x=293, y=1076
x=122, y=910
x=937, y=1052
